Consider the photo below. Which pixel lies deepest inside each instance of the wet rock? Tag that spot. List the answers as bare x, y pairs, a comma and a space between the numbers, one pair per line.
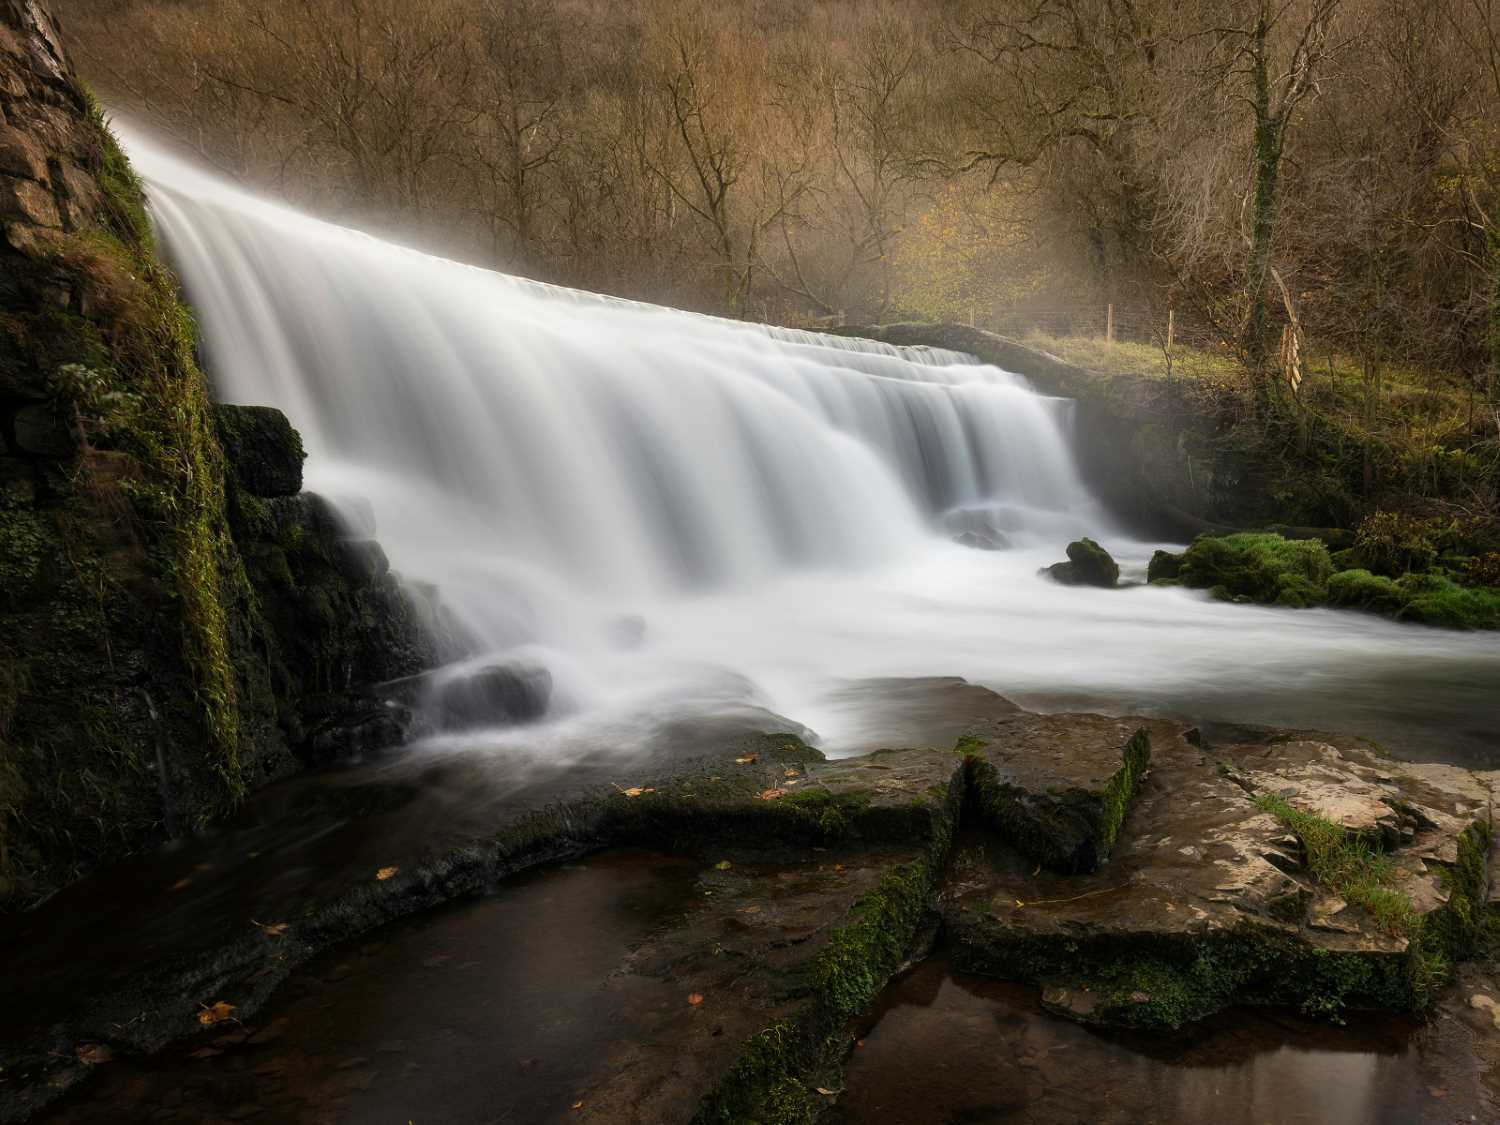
983, 529
1088, 565
1206, 902
263, 450
1164, 566
1058, 786
499, 694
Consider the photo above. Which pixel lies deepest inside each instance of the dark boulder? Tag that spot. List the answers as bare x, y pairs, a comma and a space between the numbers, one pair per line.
497, 694
1088, 565
1163, 567
263, 450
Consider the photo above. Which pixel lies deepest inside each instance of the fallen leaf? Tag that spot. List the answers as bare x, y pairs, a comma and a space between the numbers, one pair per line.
749, 910
386, 872
271, 929
838, 866
177, 886
634, 790
215, 1013
772, 794
695, 998
793, 773
744, 759
1438, 1091
92, 1054
1020, 903
794, 783
576, 1105
825, 1091
723, 865
859, 1042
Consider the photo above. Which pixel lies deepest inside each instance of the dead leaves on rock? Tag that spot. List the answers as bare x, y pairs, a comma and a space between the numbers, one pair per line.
92, 1054
745, 759
271, 929
633, 791
215, 1013
772, 794
385, 873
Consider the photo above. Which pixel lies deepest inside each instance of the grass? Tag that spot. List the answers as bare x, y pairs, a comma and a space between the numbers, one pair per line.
1347, 865
1421, 429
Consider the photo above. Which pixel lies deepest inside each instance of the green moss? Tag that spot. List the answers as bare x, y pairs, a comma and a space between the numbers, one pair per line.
1069, 830
1264, 568
1359, 589
769, 1084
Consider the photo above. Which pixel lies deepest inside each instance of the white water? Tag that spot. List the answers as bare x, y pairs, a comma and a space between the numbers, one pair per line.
771, 502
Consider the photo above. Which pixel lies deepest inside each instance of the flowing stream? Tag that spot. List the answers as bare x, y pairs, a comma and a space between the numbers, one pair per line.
679, 514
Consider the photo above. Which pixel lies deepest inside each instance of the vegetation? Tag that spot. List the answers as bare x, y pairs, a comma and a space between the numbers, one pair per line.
1272, 570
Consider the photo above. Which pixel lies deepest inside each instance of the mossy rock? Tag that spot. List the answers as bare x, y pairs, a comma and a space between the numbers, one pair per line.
1088, 565
1262, 568
262, 448
1164, 567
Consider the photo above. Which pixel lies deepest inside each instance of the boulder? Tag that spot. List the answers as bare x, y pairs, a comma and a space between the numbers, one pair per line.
493, 695
1163, 567
979, 528
1088, 565
262, 448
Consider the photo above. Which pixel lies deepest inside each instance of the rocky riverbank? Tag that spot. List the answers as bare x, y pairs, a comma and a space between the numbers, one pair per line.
1137, 875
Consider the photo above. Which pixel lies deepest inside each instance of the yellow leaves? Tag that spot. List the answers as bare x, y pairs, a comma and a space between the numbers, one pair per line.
695, 998
825, 1091
271, 929
92, 1054
576, 1105
749, 910
723, 865
793, 773
215, 1013
745, 759
772, 794
386, 872
633, 791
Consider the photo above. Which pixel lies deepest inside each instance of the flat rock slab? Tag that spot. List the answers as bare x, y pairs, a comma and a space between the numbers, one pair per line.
340, 854
1058, 786
1206, 901
634, 987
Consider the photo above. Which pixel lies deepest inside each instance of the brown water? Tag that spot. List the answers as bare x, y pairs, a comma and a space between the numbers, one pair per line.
491, 1011
948, 1049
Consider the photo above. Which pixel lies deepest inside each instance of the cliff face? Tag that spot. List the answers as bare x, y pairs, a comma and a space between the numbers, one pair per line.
145, 685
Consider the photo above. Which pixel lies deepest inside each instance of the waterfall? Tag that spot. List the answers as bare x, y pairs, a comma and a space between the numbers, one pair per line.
777, 505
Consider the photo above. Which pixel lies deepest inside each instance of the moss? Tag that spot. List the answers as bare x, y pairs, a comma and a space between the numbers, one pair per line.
769, 1084
1070, 830
1435, 600
1264, 568
1359, 589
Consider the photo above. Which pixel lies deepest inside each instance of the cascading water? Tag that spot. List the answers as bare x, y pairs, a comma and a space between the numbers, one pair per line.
775, 504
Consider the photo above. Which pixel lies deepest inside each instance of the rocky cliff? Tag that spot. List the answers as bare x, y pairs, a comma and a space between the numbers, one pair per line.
175, 628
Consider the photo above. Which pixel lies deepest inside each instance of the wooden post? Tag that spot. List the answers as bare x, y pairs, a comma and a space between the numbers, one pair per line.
1109, 324
1171, 328
971, 316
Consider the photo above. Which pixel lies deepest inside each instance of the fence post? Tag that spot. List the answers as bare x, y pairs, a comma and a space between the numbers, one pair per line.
1109, 324
1171, 328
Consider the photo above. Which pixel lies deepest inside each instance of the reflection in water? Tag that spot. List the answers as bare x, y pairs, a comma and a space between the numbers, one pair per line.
490, 1011
953, 1050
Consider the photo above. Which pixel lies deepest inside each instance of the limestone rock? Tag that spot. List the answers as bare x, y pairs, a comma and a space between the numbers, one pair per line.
1058, 786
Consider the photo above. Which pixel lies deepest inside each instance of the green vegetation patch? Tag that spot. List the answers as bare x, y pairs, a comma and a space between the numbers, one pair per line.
1262, 568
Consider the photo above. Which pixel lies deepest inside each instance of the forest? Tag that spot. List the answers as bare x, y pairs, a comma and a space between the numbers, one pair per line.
1328, 165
